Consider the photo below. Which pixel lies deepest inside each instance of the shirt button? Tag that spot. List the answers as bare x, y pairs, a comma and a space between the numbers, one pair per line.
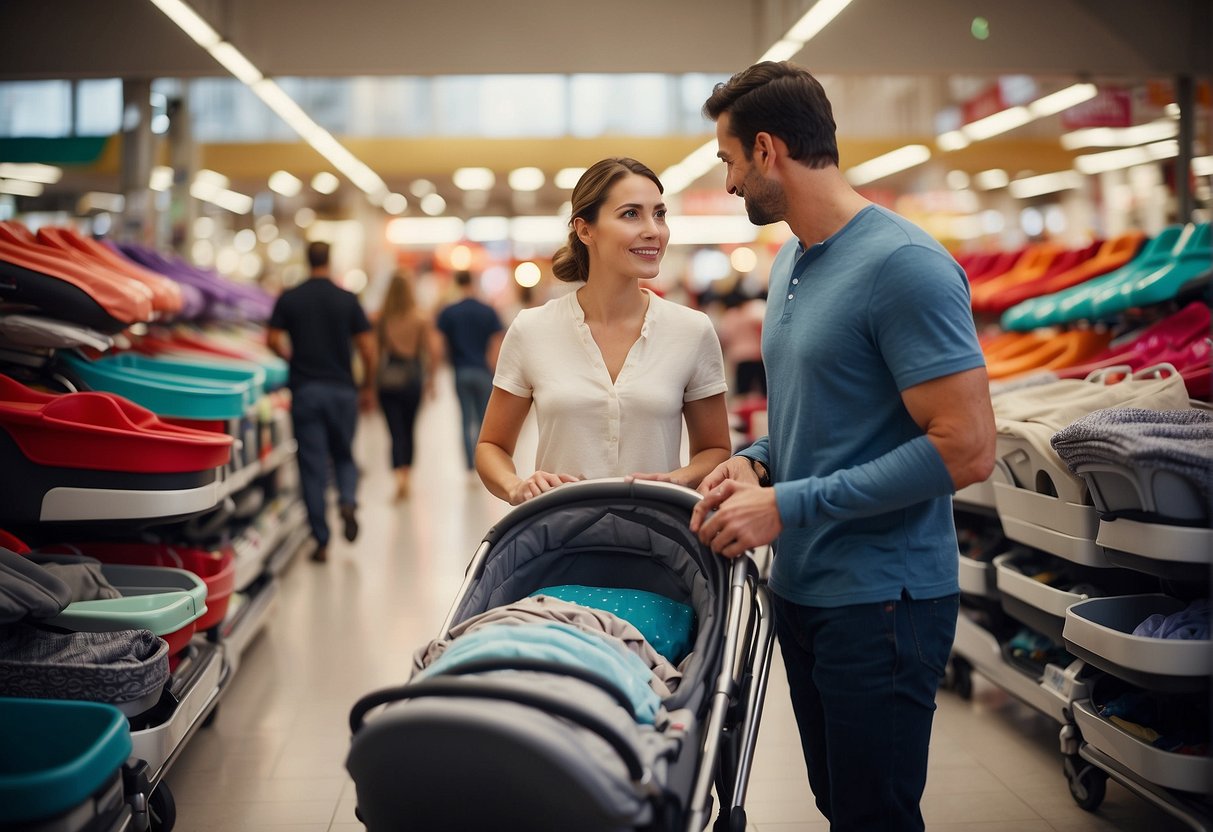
795, 280
790, 297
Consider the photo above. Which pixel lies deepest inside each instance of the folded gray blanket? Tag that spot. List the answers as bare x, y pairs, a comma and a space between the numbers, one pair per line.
80, 572
27, 589
1175, 440
115, 667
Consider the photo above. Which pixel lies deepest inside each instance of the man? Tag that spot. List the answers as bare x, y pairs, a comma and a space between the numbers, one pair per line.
473, 333
879, 409
322, 321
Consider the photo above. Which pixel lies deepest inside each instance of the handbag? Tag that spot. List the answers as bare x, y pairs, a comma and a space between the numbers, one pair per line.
397, 373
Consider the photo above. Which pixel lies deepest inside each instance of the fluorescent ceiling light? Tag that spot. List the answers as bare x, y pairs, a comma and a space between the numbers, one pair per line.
816, 19
1046, 183
1062, 100
20, 187
539, 230
701, 160
424, 231
31, 172
189, 21
101, 201
284, 183
211, 179
432, 204
395, 203
782, 50
952, 140
567, 178
1202, 166
1154, 131
526, 179
1000, 122
890, 163
989, 180
421, 187
1093, 163
957, 180
234, 62
325, 183
488, 229
161, 178
207, 189
473, 179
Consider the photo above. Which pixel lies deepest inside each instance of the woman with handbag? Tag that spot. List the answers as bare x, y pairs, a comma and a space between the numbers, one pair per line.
406, 370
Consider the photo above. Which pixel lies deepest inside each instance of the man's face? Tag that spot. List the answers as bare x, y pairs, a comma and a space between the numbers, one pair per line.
765, 201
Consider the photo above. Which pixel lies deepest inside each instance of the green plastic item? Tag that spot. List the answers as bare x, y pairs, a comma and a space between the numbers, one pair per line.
1193, 259
166, 394
55, 754
157, 598
1072, 304
217, 369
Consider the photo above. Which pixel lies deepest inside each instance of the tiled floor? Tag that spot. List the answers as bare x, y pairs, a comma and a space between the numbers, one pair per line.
273, 759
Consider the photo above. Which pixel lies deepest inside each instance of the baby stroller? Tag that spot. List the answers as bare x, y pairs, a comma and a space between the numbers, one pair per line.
520, 744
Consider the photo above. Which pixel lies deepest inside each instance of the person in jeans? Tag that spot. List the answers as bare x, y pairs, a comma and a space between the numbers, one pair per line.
472, 330
878, 409
323, 321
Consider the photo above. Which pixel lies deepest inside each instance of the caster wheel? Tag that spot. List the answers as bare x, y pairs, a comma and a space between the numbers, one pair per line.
1088, 784
161, 810
958, 677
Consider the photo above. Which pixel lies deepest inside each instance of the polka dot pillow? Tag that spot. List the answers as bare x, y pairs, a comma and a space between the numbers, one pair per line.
665, 624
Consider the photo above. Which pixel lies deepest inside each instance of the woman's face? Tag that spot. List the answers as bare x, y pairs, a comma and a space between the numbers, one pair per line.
630, 235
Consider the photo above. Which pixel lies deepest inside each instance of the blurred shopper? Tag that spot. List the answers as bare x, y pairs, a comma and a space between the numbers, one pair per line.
612, 369
879, 409
472, 330
323, 320
740, 330
407, 364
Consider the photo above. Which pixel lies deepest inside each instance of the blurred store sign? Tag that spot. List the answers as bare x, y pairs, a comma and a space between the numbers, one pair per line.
711, 201
1008, 91
1111, 107
1162, 93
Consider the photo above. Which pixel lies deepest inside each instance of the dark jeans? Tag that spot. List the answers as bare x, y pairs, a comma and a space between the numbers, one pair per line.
400, 410
325, 416
863, 681
473, 386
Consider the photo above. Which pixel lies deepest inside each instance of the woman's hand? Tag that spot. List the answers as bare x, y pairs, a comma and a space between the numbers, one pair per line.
677, 477
536, 484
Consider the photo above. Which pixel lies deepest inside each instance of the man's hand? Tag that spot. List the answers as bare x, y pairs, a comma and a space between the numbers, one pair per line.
746, 514
736, 468
536, 484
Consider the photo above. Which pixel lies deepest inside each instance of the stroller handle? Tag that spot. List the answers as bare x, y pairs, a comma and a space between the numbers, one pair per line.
611, 488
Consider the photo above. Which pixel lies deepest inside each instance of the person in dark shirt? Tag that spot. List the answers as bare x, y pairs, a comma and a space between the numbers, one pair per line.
323, 321
472, 330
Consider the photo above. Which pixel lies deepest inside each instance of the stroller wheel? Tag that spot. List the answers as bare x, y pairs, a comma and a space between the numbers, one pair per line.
161, 809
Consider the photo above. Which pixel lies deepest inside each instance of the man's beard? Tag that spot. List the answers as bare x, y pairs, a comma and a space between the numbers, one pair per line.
765, 202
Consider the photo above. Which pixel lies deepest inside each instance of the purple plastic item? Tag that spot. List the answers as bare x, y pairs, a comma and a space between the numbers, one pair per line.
224, 299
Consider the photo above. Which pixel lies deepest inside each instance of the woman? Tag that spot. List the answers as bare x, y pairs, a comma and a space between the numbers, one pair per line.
406, 369
612, 368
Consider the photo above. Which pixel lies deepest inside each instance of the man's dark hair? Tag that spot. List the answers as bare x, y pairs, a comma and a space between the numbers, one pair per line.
463, 278
318, 255
781, 99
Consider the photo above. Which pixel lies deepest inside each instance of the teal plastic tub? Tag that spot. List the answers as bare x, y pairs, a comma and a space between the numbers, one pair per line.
56, 755
167, 392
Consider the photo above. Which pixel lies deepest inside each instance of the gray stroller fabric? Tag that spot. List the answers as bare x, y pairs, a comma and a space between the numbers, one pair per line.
114, 667
1180, 441
28, 590
81, 573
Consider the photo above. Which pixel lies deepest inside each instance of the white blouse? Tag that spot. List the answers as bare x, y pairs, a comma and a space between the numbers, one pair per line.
589, 426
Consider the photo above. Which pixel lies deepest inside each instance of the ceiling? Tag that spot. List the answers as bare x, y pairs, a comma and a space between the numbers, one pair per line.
925, 41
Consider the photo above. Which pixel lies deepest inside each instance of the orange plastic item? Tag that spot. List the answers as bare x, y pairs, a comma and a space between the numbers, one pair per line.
1064, 350
1017, 343
1034, 263
1113, 254
166, 295
120, 297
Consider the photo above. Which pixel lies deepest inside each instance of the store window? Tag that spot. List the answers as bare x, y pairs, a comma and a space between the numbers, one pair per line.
36, 108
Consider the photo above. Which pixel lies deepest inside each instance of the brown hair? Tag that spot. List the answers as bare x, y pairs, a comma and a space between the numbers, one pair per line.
781, 99
399, 300
572, 262
318, 255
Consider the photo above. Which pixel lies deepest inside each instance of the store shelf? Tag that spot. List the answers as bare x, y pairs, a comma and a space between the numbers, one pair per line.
1080, 550
977, 578
1195, 813
66, 504
983, 651
195, 686
1040, 606
1100, 631
258, 544
979, 495
1069, 519
246, 621
1173, 552
1173, 771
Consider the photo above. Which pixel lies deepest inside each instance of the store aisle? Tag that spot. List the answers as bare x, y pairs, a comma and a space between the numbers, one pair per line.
273, 758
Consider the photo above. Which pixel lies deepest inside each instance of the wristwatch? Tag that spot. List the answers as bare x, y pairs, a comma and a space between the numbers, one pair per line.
760, 470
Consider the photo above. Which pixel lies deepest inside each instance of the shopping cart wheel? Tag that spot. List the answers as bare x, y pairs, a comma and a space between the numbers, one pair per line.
161, 809
1088, 784
958, 677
